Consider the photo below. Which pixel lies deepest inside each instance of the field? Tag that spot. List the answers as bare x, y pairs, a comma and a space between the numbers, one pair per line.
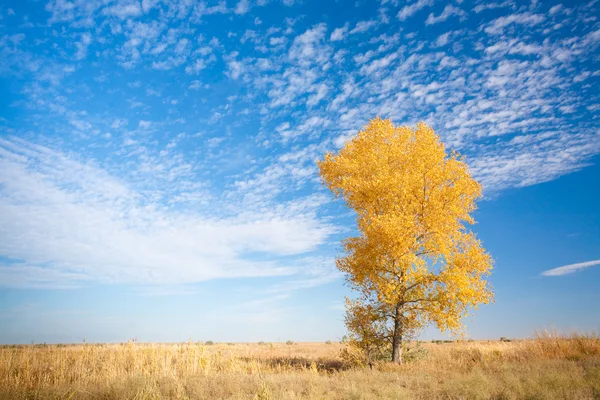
543, 368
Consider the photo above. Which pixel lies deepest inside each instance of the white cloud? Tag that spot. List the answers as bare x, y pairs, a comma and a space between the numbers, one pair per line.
148, 5
164, 291
524, 164
582, 76
82, 46
169, 63
199, 65
119, 123
195, 85
339, 33
490, 6
124, 11
362, 26
144, 124
276, 41
81, 125
443, 39
497, 26
306, 48
242, 7
61, 10
69, 223
378, 64
341, 140
214, 142
559, 8
592, 38
449, 11
321, 91
571, 268
320, 271
412, 9
236, 69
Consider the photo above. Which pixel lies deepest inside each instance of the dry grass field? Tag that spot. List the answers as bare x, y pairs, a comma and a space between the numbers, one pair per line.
543, 368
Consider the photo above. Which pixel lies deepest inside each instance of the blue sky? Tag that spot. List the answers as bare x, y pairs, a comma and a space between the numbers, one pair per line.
157, 158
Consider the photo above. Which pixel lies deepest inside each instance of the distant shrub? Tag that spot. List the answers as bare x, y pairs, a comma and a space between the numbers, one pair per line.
328, 342
230, 344
209, 343
504, 339
289, 342
261, 343
353, 356
416, 353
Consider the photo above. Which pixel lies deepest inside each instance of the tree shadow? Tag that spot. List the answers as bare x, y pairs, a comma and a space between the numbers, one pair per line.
302, 363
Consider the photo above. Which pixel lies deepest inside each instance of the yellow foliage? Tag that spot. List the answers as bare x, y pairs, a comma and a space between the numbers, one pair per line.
414, 255
368, 333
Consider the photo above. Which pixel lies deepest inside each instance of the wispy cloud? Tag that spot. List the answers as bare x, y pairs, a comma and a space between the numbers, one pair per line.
571, 268
70, 223
447, 13
163, 291
411, 9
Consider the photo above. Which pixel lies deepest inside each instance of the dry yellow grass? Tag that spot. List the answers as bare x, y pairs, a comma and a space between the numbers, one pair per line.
544, 368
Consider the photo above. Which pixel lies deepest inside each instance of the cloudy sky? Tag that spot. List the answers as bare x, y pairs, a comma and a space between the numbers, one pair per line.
157, 158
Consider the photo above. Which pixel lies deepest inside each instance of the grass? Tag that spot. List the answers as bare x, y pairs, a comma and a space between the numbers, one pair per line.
547, 367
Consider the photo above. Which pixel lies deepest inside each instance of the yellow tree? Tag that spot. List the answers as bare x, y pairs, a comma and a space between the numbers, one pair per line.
414, 258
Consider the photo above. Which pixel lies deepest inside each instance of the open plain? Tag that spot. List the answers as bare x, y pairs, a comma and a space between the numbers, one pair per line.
547, 367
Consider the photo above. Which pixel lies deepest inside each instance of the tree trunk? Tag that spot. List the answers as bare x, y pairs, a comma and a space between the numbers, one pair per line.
397, 340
